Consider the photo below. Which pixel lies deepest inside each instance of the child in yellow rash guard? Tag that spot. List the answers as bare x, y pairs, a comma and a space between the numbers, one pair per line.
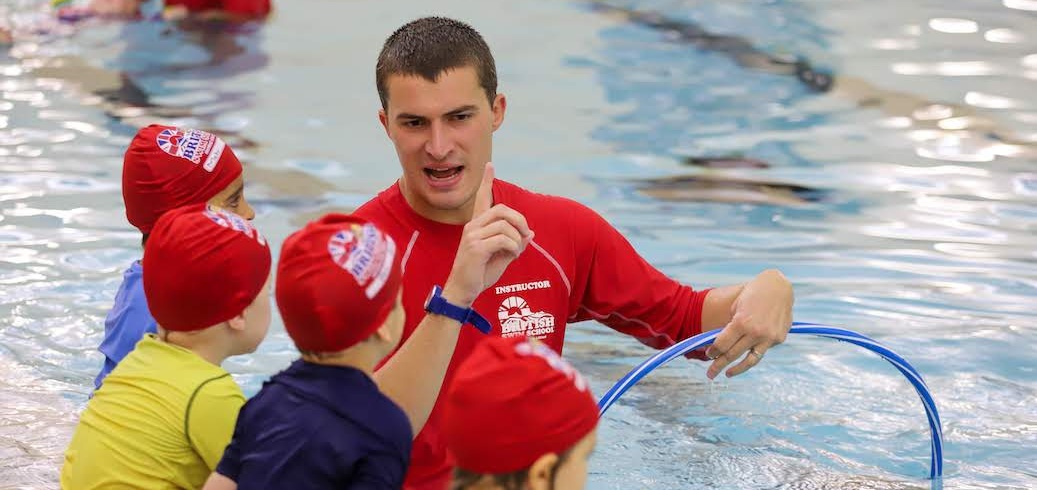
164, 416
133, 431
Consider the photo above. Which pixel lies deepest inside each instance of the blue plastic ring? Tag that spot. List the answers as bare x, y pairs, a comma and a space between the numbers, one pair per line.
707, 338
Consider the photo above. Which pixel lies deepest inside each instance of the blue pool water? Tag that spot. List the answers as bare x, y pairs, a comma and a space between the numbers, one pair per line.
901, 201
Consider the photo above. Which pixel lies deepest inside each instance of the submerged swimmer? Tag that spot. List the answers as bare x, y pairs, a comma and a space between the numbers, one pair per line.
726, 188
945, 119
739, 49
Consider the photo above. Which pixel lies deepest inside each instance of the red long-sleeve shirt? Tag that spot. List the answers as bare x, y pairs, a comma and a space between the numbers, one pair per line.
577, 268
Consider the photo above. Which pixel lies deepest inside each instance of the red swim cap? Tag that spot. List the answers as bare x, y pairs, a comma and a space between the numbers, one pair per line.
337, 280
512, 401
167, 167
202, 267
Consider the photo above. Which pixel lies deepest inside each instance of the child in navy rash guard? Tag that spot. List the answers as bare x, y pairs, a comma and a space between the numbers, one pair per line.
319, 426
322, 422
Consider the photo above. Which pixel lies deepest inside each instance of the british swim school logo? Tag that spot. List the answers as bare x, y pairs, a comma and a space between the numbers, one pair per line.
169, 141
366, 253
191, 145
230, 220
517, 318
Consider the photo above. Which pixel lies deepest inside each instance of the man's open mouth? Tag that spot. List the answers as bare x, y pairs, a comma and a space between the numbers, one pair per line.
444, 173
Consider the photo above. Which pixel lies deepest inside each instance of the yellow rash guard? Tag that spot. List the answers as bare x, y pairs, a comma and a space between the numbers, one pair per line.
161, 419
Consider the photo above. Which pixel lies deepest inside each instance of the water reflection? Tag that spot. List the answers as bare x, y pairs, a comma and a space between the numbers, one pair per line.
1030, 5
989, 101
895, 44
173, 73
1003, 36
954, 26
902, 206
900, 210
964, 136
948, 69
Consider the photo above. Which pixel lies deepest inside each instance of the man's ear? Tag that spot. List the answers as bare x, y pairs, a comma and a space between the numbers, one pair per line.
500, 105
384, 119
542, 472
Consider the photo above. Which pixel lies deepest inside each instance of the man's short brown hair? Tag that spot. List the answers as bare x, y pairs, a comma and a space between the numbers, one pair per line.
430, 46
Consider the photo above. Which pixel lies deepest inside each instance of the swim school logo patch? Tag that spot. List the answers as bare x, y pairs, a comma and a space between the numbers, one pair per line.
192, 145
234, 222
366, 254
517, 318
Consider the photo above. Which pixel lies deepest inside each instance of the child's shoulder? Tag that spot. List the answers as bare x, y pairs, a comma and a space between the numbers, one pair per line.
153, 360
328, 393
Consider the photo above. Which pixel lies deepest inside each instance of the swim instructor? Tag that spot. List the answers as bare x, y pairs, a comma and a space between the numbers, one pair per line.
437, 82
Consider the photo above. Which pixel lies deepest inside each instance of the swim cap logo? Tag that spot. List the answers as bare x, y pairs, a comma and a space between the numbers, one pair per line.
366, 253
192, 145
169, 141
538, 349
234, 222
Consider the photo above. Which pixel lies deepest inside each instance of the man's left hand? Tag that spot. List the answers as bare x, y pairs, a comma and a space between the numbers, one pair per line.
761, 316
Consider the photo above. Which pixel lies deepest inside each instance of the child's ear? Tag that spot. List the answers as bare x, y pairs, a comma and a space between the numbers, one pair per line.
384, 333
541, 473
237, 323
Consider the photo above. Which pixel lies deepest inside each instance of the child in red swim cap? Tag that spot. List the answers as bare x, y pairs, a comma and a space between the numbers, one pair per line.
165, 414
519, 417
164, 168
323, 422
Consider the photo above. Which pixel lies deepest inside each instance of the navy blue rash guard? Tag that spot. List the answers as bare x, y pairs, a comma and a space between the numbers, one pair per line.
314, 426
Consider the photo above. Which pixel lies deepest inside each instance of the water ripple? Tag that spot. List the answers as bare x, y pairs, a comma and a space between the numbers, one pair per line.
885, 165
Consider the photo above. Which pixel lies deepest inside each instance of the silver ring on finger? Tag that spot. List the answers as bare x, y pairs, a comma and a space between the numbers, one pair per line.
753, 352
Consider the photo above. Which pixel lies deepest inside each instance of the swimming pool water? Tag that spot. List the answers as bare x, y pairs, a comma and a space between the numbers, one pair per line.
902, 203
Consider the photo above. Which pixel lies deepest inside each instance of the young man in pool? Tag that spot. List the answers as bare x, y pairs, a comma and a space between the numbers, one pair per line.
437, 83
164, 168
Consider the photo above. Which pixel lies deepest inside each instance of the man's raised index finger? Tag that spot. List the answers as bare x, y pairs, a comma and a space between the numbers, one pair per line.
484, 196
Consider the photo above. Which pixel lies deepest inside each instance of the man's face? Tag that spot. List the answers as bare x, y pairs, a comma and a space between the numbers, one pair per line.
443, 134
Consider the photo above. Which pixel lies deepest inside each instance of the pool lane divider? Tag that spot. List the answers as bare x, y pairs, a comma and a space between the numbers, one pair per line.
799, 328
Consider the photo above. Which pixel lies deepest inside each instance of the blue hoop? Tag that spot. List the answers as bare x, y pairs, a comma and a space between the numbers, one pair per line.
707, 338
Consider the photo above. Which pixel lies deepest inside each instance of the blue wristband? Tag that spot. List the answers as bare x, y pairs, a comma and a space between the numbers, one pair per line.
438, 305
